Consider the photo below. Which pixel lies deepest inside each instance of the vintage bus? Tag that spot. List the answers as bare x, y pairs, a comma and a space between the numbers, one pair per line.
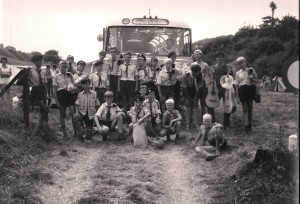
151, 37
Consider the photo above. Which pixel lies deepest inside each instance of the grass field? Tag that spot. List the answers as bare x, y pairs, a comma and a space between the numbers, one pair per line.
67, 171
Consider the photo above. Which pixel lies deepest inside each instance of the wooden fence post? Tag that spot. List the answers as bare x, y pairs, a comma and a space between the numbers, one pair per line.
25, 95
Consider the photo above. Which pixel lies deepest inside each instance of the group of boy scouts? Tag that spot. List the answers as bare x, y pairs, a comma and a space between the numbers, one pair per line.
115, 92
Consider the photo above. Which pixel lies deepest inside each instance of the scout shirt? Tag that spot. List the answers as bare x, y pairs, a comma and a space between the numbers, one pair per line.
129, 73
137, 114
145, 73
33, 77
105, 67
113, 67
153, 106
63, 81
102, 111
168, 116
163, 79
241, 76
87, 102
99, 80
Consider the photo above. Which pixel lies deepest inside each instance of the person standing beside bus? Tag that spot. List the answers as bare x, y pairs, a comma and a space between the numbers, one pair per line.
155, 70
127, 82
114, 69
144, 71
245, 79
166, 81
5, 72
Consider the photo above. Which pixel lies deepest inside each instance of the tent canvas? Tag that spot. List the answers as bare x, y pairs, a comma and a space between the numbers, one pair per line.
279, 86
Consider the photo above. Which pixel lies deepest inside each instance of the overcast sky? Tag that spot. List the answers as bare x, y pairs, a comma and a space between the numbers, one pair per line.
72, 26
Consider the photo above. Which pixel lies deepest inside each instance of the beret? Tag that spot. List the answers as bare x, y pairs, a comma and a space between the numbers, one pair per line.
37, 57
139, 98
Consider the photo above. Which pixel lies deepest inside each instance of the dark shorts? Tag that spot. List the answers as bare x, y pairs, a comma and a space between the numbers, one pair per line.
168, 91
65, 98
113, 82
213, 143
100, 94
106, 123
247, 93
193, 96
37, 94
127, 88
87, 121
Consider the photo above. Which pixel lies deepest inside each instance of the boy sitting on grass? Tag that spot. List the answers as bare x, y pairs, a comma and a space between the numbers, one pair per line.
86, 105
171, 122
108, 116
212, 139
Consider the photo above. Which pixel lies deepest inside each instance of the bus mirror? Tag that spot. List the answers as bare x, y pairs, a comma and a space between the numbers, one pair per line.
100, 37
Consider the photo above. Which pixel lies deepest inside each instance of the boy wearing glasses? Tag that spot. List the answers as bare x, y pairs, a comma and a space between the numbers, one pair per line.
108, 116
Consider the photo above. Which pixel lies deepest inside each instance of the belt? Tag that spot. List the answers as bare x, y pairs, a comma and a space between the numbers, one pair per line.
100, 88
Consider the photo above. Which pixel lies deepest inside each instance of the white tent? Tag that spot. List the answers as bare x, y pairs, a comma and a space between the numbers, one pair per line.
279, 86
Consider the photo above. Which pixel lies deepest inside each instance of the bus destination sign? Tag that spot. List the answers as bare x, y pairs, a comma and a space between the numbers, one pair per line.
150, 21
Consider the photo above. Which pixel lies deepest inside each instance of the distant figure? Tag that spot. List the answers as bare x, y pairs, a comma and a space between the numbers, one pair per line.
170, 46
5, 72
101, 62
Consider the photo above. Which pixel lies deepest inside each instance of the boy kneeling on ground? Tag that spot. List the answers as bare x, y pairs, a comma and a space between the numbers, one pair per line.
109, 116
86, 105
213, 134
171, 122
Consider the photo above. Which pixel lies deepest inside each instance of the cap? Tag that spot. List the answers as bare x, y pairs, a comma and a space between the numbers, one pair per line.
37, 57
170, 101
171, 54
63, 63
143, 86
139, 98
150, 90
108, 93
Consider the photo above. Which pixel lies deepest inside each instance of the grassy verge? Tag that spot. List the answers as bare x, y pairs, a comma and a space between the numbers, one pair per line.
237, 179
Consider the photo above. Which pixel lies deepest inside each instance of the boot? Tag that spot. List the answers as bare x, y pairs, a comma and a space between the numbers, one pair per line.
187, 118
226, 120
195, 118
88, 134
168, 138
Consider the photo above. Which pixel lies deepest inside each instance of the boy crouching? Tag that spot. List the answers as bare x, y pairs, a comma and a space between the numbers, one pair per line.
171, 122
108, 116
86, 105
212, 139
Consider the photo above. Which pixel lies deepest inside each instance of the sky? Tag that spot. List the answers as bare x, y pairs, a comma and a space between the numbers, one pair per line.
72, 26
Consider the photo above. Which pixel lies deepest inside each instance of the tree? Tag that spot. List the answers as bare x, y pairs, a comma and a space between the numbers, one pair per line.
273, 7
51, 56
270, 20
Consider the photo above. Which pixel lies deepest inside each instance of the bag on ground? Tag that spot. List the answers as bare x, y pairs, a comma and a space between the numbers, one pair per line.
139, 136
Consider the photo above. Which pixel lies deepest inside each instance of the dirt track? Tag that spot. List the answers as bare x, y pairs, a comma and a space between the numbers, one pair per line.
75, 172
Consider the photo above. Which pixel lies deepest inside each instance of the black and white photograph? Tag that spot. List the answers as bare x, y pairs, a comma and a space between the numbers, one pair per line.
149, 102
